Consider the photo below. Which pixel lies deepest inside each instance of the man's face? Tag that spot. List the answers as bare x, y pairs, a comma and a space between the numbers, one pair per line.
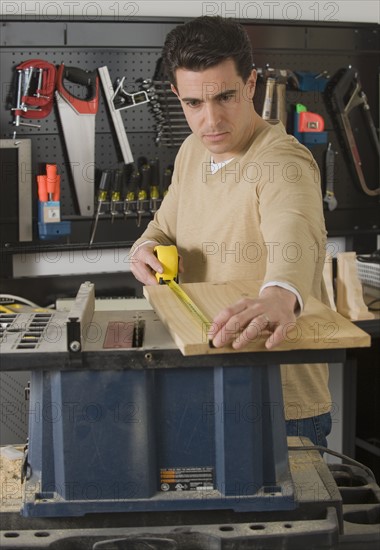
218, 107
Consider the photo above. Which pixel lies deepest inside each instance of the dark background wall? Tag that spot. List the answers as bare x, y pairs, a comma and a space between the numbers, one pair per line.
131, 49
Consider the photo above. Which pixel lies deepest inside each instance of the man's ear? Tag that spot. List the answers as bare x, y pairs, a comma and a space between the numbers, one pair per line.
174, 90
251, 82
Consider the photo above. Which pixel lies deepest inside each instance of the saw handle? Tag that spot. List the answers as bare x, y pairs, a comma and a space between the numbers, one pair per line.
348, 80
89, 79
80, 76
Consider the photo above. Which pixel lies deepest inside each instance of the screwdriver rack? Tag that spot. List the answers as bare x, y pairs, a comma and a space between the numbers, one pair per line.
130, 209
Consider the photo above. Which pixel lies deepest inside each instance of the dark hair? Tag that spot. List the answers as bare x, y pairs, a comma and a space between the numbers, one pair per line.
204, 42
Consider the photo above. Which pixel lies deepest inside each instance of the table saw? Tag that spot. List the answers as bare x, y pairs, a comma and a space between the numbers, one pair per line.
122, 421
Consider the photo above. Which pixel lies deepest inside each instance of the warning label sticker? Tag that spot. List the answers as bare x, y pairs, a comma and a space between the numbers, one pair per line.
186, 479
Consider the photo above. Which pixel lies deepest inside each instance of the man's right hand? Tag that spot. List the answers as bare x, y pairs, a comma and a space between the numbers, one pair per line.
144, 264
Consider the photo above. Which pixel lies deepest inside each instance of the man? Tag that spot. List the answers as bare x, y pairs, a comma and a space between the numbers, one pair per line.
244, 203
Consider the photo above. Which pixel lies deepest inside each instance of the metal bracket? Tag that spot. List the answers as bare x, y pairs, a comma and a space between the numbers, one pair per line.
123, 97
125, 100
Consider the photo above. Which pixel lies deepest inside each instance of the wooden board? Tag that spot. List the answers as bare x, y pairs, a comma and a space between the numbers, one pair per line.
319, 327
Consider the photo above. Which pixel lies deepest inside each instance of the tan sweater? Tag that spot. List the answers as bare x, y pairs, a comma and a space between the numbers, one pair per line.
259, 217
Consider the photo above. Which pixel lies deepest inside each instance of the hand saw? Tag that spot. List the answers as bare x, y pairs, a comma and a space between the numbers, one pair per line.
78, 123
168, 257
346, 95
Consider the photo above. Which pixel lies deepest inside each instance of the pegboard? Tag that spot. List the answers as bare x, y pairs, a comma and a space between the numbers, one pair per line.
347, 191
48, 144
132, 50
132, 64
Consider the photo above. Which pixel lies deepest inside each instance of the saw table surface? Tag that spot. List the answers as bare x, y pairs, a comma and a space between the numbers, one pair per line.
318, 327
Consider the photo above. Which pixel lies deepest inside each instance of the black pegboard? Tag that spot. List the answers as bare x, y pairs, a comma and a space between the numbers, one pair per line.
347, 191
47, 142
132, 48
131, 64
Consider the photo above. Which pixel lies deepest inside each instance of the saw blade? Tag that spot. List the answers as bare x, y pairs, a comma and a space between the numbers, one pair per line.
79, 134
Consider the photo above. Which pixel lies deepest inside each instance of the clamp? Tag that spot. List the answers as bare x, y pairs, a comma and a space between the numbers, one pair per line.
35, 91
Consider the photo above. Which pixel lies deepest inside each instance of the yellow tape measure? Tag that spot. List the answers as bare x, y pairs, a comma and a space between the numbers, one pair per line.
168, 257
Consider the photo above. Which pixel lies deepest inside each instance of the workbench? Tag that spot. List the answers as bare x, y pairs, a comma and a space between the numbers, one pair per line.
145, 410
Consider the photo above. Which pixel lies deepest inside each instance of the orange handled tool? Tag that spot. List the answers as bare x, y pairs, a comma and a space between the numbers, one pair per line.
42, 189
51, 177
49, 185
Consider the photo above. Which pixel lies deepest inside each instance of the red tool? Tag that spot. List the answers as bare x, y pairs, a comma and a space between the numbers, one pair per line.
88, 106
309, 127
310, 122
35, 91
78, 124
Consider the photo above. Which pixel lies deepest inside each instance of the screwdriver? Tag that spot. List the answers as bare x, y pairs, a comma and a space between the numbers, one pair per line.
130, 195
104, 186
116, 192
166, 181
154, 185
142, 195
141, 161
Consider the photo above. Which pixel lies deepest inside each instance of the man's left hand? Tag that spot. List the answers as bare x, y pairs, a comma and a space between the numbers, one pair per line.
244, 321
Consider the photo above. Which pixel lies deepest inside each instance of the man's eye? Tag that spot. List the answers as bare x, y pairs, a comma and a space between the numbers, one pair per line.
193, 103
226, 97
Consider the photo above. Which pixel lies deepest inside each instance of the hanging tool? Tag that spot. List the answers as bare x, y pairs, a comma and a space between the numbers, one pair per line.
78, 123
124, 100
276, 82
131, 193
35, 91
329, 197
309, 127
168, 257
104, 186
270, 83
346, 95
166, 181
117, 100
142, 195
50, 225
117, 182
166, 109
280, 89
154, 190
52, 182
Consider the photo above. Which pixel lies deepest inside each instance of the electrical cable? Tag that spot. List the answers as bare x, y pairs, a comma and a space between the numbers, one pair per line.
373, 257
18, 299
371, 304
348, 459
144, 541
